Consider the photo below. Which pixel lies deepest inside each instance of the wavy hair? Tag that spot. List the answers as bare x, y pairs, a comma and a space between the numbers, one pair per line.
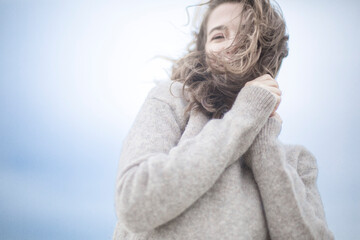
258, 48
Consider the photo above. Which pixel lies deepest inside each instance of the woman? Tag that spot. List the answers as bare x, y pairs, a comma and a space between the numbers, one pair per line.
203, 160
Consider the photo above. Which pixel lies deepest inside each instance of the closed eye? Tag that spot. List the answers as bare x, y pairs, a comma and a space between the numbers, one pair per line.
218, 36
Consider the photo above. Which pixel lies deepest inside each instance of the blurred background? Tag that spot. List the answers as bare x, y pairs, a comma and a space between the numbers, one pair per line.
73, 75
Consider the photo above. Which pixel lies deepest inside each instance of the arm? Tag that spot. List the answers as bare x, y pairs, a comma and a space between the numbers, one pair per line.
291, 199
162, 179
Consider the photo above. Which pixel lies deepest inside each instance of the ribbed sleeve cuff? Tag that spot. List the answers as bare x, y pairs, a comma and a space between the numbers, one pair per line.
271, 129
264, 141
255, 101
252, 106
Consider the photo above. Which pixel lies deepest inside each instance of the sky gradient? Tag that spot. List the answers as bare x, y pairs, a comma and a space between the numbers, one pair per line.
73, 75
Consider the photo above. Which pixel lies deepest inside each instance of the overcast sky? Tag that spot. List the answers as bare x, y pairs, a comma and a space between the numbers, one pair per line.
73, 75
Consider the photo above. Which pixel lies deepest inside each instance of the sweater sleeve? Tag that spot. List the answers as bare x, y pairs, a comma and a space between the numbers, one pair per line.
290, 196
160, 178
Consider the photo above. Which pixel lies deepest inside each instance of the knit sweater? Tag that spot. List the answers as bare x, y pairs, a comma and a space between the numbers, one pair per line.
185, 176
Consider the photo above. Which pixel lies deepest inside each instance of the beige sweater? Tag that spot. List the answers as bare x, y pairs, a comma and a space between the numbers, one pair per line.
190, 177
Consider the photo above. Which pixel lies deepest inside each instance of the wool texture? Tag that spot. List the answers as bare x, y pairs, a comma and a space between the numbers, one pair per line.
185, 176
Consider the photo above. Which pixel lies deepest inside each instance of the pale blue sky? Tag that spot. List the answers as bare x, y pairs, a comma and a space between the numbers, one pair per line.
73, 75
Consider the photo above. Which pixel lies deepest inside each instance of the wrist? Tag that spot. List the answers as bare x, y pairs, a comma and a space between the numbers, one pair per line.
265, 140
271, 129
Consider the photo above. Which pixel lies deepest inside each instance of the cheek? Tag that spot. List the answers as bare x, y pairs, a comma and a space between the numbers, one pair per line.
213, 47
216, 47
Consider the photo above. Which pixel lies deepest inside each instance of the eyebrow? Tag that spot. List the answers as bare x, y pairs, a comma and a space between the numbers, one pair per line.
221, 27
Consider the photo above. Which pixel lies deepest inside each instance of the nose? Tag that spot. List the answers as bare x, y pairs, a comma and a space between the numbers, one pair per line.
230, 51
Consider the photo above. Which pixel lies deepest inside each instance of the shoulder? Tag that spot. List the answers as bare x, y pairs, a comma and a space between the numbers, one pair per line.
167, 91
171, 93
301, 158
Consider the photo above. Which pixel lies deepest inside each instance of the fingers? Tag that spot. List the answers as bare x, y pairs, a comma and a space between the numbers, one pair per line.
278, 100
272, 83
274, 90
267, 82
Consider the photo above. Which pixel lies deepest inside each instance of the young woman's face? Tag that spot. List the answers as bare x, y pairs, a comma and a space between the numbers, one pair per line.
222, 26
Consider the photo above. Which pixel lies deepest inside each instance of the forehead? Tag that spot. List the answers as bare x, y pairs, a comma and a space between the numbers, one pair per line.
227, 14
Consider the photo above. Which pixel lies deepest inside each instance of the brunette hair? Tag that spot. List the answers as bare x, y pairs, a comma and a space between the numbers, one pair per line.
258, 48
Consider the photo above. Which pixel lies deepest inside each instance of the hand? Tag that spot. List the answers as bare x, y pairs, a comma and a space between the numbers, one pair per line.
270, 84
